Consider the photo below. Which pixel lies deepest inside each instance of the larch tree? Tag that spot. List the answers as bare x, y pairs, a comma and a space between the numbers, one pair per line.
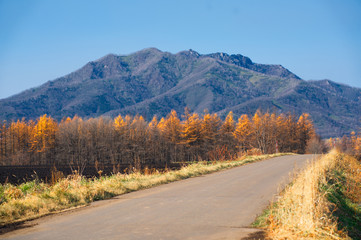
289, 139
155, 142
306, 131
138, 136
258, 132
72, 144
243, 132
226, 138
191, 135
133, 140
20, 135
43, 136
210, 125
171, 129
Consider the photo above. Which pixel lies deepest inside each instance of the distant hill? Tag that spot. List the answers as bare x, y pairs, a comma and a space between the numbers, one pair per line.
151, 82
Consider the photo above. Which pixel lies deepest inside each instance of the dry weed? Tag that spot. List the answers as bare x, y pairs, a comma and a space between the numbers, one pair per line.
303, 211
40, 199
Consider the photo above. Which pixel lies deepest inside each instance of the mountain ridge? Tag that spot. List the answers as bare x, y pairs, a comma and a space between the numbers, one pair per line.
152, 82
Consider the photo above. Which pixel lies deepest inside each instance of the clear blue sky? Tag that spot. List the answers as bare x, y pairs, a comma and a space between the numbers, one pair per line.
42, 40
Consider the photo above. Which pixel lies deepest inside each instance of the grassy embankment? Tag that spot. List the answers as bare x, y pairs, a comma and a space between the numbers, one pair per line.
323, 202
34, 199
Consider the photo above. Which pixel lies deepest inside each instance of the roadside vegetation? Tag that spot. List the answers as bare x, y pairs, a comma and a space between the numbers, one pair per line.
34, 199
350, 145
323, 202
201, 143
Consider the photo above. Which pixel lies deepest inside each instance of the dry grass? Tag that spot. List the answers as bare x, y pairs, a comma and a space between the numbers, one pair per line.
306, 209
34, 199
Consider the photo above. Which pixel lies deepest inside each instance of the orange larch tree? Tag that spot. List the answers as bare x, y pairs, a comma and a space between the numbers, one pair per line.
192, 136
306, 131
242, 132
226, 137
171, 129
210, 125
43, 137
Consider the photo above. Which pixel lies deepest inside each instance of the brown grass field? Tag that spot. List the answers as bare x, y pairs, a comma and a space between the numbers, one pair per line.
323, 202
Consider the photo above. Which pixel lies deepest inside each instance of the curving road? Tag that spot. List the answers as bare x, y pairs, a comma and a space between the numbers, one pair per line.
216, 206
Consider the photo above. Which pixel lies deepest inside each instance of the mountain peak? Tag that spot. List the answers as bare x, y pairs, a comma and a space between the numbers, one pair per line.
108, 57
246, 62
151, 50
190, 53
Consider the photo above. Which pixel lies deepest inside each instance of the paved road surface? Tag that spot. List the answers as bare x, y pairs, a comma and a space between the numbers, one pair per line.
217, 206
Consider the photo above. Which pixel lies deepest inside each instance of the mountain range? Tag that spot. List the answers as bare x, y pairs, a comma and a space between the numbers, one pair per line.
152, 82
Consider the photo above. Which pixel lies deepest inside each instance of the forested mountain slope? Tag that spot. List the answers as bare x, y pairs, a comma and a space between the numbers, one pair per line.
151, 82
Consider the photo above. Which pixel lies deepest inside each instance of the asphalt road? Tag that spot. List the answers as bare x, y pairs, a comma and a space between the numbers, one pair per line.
216, 206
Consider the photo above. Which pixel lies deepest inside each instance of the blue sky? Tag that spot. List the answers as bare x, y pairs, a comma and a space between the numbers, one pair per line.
45, 39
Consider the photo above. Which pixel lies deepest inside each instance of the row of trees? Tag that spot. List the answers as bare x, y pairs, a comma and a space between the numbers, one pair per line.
133, 140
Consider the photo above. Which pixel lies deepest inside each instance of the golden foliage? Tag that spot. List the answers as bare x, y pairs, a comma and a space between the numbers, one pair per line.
43, 134
125, 139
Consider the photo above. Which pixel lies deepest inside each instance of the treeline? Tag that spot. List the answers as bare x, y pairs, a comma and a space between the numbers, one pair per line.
133, 140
